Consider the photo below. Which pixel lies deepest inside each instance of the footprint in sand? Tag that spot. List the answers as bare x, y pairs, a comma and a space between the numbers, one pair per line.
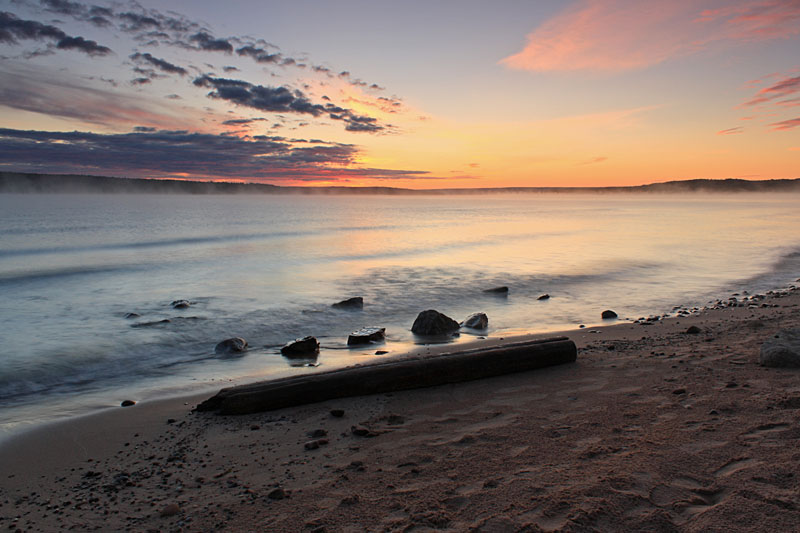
734, 465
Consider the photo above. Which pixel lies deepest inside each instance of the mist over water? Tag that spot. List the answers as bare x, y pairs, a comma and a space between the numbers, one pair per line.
268, 268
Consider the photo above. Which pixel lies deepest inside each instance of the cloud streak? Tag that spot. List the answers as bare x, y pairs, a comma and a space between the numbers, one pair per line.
148, 153
619, 35
14, 29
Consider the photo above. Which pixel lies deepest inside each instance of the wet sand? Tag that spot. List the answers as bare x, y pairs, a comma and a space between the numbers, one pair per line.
651, 429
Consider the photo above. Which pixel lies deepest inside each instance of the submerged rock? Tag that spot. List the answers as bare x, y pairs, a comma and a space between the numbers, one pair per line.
782, 350
476, 321
544, 297
232, 345
301, 347
180, 304
356, 302
148, 324
132, 315
497, 290
608, 313
366, 336
433, 322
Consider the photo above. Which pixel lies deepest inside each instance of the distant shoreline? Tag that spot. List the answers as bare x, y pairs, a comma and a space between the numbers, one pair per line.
32, 183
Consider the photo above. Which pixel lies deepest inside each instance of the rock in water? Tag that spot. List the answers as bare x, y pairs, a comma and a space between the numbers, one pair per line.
476, 321
148, 324
298, 347
232, 345
351, 303
366, 336
497, 290
608, 313
782, 350
127, 403
180, 304
544, 297
432, 322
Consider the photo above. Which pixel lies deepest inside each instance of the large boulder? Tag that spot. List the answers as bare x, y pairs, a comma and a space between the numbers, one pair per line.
782, 350
366, 336
232, 345
476, 321
432, 322
301, 347
356, 302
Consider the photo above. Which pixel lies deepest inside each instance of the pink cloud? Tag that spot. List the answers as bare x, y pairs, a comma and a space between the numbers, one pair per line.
785, 87
731, 131
617, 35
786, 124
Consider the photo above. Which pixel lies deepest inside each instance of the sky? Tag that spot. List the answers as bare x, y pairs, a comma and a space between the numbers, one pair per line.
418, 94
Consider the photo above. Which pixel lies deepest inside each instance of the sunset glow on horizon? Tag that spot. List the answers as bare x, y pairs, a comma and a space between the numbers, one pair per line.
452, 95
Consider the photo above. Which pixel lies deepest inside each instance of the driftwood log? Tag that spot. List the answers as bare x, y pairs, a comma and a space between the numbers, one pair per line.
401, 374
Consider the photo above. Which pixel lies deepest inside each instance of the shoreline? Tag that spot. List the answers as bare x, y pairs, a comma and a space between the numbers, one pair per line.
675, 428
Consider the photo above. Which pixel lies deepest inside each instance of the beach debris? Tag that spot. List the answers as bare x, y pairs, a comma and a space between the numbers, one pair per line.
476, 321
132, 315
782, 350
337, 413
432, 322
232, 345
153, 323
127, 403
180, 304
356, 302
381, 352
392, 375
608, 313
497, 290
300, 347
544, 297
693, 330
168, 510
366, 336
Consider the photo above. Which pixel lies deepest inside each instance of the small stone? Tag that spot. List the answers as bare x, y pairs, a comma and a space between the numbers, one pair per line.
311, 445
679, 391
381, 352
305, 346
255, 427
350, 500
544, 297
476, 321
360, 431
782, 350
497, 290
317, 433
232, 345
366, 336
693, 330
277, 494
337, 413
169, 510
127, 403
170, 420
608, 313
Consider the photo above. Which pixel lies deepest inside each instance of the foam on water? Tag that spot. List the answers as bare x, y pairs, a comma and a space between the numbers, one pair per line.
268, 268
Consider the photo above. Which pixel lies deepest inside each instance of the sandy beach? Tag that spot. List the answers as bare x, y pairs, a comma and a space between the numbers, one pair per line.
652, 429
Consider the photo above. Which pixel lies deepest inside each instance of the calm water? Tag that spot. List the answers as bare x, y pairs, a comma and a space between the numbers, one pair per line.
267, 268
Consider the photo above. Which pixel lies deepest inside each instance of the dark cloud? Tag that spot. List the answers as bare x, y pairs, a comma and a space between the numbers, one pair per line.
282, 100
144, 129
136, 22
159, 153
64, 7
242, 121
260, 55
230, 69
161, 64
83, 45
140, 81
205, 41
13, 28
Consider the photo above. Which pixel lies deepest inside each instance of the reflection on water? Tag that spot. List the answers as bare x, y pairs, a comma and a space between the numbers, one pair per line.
268, 268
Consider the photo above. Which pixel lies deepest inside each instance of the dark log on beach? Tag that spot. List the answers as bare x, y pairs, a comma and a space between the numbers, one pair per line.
402, 374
